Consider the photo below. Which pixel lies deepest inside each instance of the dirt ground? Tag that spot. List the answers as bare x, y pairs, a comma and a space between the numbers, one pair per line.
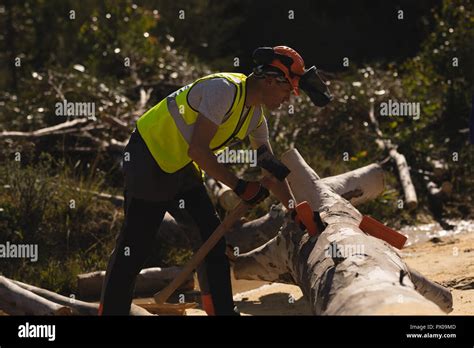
448, 261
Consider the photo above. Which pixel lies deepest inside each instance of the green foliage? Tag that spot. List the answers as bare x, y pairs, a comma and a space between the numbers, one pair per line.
444, 87
176, 257
52, 205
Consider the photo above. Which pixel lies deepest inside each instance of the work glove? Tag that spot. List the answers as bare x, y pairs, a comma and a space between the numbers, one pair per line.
251, 192
307, 219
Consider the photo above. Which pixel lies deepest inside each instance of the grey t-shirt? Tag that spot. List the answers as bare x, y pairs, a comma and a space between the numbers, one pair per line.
213, 98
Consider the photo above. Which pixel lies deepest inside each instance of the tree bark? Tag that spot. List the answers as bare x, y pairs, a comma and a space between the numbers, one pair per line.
411, 199
432, 291
343, 271
149, 281
15, 300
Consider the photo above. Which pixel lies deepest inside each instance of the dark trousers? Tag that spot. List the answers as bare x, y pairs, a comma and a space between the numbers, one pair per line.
149, 193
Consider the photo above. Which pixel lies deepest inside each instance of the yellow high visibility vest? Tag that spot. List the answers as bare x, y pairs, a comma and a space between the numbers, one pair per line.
168, 126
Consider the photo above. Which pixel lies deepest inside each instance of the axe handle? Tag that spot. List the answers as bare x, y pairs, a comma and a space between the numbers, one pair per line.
278, 190
161, 296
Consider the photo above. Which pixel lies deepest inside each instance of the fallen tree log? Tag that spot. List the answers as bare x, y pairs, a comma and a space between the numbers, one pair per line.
78, 307
411, 200
15, 300
343, 271
432, 291
358, 186
149, 281
61, 128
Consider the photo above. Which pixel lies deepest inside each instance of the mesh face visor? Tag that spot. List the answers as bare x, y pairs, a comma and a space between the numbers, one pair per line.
312, 84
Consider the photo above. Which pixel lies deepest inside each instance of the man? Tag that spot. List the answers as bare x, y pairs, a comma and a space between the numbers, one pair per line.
161, 165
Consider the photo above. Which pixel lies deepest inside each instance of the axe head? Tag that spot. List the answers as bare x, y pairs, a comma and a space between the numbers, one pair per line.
267, 161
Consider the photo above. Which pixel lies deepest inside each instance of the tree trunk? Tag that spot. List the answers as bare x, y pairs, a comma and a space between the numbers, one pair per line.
149, 281
344, 271
15, 300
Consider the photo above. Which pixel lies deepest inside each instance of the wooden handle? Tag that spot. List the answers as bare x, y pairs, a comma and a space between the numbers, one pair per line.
278, 190
161, 296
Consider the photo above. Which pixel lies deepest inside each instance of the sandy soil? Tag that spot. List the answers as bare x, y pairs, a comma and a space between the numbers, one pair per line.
448, 261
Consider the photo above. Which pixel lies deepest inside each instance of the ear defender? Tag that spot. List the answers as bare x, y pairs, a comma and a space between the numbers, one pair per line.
263, 56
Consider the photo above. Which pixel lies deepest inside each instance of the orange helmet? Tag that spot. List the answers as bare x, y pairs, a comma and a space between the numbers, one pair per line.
293, 68
285, 59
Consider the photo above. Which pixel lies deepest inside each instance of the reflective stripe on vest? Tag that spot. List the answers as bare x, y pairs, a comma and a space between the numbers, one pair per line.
167, 128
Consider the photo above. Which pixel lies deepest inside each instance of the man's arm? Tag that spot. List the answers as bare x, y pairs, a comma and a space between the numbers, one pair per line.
199, 152
280, 189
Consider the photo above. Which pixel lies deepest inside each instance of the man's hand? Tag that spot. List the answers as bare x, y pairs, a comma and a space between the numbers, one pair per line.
251, 192
307, 219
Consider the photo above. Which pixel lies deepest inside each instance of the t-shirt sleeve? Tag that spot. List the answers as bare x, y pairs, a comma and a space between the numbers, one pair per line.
259, 136
212, 98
